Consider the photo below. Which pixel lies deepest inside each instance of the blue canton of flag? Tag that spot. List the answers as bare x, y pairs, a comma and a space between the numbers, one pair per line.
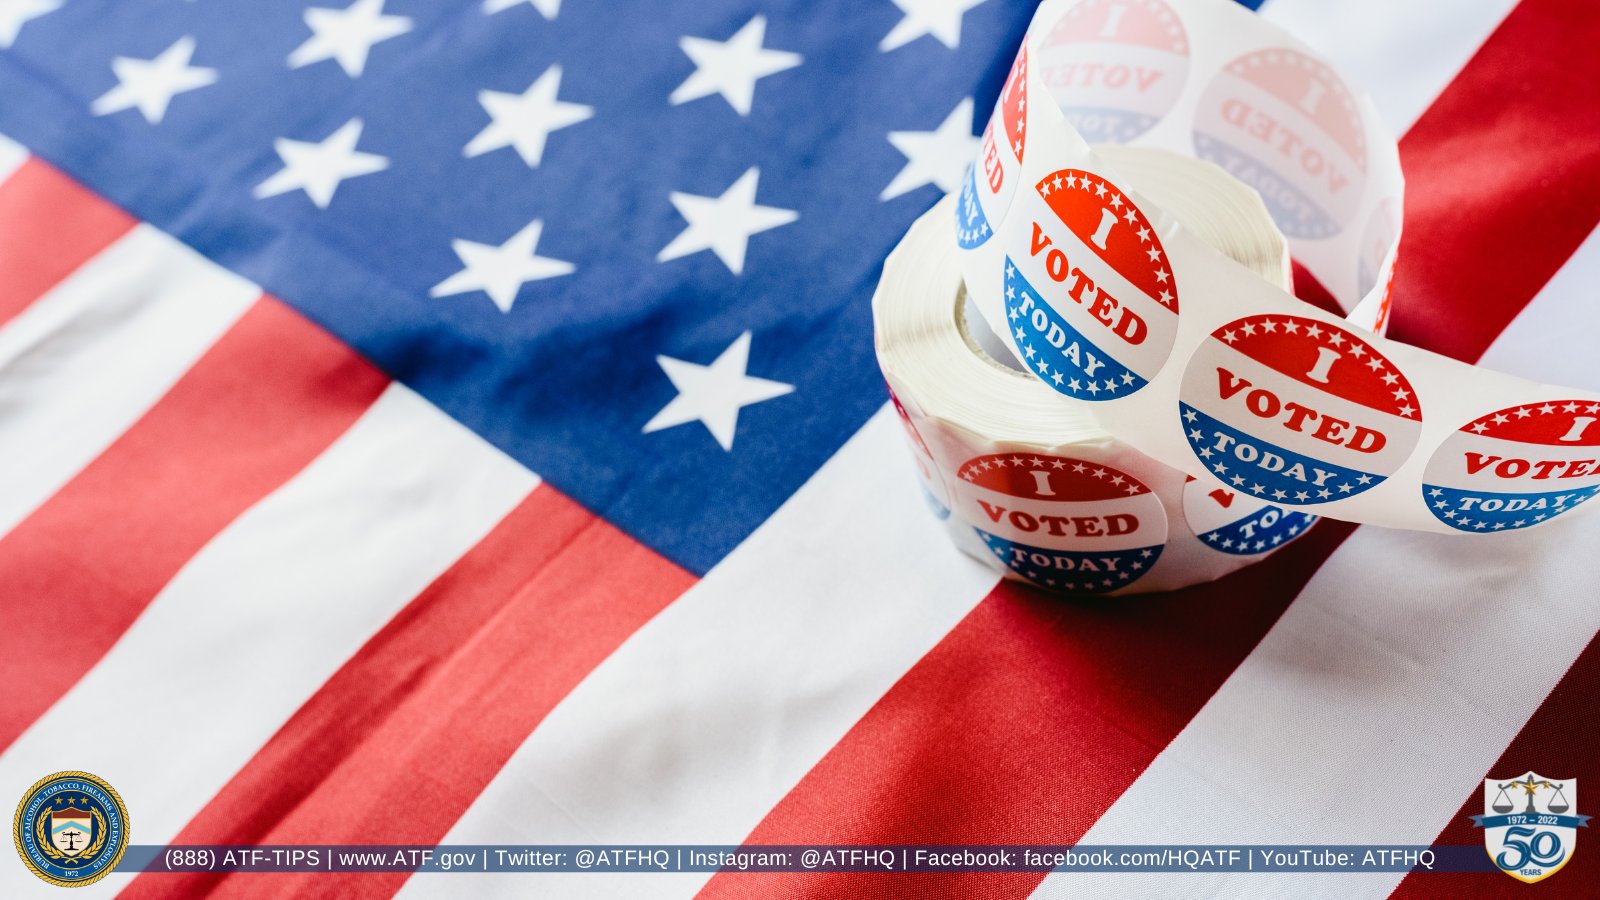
630, 243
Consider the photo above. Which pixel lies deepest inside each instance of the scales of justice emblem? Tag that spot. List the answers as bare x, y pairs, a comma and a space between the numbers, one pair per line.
1532, 843
71, 829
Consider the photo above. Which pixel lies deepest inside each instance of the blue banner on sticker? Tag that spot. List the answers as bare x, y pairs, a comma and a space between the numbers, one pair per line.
1488, 511
972, 226
1263, 469
1074, 571
1059, 353
1263, 530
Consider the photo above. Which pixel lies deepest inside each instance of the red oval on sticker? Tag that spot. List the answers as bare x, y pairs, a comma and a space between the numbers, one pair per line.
1310, 87
1557, 423
1306, 349
1103, 217
1034, 477
1014, 102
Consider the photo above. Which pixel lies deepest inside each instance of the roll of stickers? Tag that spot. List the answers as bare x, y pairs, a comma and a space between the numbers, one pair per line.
1027, 480
1187, 356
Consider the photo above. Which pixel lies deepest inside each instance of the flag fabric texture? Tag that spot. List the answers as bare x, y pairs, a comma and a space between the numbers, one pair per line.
457, 422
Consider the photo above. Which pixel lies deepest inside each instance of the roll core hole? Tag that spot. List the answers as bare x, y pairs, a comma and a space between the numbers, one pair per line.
981, 339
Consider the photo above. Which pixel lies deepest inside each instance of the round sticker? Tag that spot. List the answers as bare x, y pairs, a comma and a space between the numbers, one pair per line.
1285, 124
1093, 308
1240, 524
1296, 411
932, 492
986, 195
1115, 67
1517, 467
1062, 523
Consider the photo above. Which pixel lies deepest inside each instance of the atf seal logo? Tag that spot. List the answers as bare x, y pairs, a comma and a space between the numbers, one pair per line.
1096, 311
1239, 524
1283, 123
1115, 67
71, 828
1529, 826
1061, 523
987, 194
1296, 411
1517, 467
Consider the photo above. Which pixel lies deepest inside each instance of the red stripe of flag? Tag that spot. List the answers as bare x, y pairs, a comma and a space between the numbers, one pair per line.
1034, 714
259, 405
1504, 179
1023, 725
398, 743
49, 226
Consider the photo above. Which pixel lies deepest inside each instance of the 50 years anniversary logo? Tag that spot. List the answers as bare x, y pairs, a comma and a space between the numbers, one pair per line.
71, 828
1534, 842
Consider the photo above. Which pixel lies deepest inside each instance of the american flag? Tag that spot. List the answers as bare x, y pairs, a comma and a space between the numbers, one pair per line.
457, 422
